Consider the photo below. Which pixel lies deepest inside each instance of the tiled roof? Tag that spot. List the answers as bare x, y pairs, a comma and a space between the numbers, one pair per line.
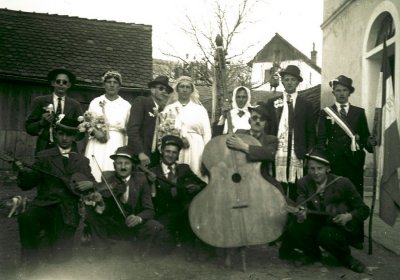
32, 43
286, 52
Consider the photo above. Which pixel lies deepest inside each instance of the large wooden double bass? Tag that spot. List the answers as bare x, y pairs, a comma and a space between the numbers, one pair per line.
238, 207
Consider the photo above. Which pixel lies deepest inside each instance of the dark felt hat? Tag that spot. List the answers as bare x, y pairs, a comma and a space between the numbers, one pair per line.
318, 155
171, 140
51, 76
344, 81
69, 126
126, 152
161, 80
292, 70
262, 109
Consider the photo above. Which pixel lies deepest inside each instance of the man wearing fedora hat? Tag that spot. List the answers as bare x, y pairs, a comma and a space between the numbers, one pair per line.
45, 108
328, 213
293, 122
343, 131
128, 211
144, 121
60, 176
175, 186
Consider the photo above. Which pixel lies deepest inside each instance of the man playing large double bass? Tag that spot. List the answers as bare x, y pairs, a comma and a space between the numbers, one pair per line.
259, 119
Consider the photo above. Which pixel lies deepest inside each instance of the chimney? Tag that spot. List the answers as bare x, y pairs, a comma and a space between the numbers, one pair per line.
314, 55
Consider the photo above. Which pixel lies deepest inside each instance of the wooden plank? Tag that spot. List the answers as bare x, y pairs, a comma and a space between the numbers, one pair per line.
3, 164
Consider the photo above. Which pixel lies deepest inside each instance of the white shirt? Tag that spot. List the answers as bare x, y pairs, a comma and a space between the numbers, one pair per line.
55, 102
166, 169
64, 152
346, 107
293, 95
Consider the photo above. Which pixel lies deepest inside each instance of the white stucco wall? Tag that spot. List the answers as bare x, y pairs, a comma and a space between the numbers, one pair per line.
344, 50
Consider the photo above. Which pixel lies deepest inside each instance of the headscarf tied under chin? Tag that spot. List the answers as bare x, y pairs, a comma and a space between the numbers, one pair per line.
194, 97
112, 74
234, 104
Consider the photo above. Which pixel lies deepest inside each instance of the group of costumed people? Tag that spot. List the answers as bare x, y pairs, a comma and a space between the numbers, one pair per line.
167, 132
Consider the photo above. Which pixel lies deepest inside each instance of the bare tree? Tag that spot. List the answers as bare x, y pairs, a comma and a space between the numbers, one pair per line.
230, 18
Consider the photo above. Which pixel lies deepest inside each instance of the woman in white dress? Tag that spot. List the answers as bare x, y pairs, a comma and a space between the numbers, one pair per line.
191, 120
115, 111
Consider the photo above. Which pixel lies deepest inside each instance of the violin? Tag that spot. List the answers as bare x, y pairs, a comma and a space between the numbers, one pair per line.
331, 211
70, 181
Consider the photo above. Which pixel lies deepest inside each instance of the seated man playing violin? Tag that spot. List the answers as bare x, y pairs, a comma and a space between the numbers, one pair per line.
175, 186
122, 205
60, 176
329, 210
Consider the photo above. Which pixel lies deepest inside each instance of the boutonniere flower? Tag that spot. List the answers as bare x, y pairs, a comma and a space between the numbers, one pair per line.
49, 108
59, 118
154, 113
278, 103
331, 119
102, 103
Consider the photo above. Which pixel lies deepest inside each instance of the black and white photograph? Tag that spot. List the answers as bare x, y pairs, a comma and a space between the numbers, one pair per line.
208, 139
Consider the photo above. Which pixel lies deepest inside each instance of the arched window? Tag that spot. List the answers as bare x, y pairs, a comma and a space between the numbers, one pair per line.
386, 28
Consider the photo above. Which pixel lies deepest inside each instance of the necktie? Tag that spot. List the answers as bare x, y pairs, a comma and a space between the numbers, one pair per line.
290, 133
240, 113
171, 175
291, 111
59, 109
155, 134
65, 161
342, 111
125, 195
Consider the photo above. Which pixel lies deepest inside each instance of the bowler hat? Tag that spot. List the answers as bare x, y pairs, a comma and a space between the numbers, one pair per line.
262, 109
318, 155
292, 70
124, 151
171, 140
161, 80
69, 126
51, 76
344, 81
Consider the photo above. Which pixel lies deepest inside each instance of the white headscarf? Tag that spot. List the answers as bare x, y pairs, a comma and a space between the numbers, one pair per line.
246, 106
194, 97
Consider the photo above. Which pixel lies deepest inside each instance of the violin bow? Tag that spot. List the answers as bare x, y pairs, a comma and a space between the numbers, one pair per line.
109, 188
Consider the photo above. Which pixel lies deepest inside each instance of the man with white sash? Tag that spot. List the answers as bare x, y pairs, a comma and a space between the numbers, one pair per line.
343, 131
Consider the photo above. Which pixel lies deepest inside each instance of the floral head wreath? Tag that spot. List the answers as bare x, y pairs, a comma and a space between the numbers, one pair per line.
112, 74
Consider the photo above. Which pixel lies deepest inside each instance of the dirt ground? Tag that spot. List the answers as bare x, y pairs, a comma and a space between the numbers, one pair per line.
124, 262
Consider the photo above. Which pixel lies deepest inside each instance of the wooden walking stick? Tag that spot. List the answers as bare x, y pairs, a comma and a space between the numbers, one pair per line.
371, 215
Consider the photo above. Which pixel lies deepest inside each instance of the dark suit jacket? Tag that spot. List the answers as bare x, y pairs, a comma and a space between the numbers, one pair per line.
340, 193
141, 125
56, 189
164, 202
72, 109
338, 143
139, 200
304, 124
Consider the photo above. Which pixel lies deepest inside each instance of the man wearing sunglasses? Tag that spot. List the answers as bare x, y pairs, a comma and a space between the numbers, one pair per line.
44, 109
143, 121
259, 120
